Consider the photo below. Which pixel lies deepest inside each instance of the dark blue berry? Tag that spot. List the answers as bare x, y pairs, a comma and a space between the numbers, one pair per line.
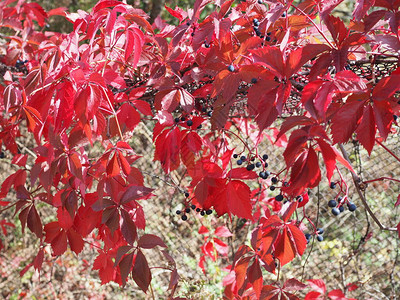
187, 210
274, 180
184, 217
243, 157
352, 206
260, 2
199, 127
332, 185
265, 157
250, 167
332, 203
320, 238
258, 164
208, 211
239, 162
268, 38
209, 113
279, 197
341, 208
335, 211
193, 206
272, 187
284, 15
231, 68
206, 45
198, 209
177, 120
183, 119
263, 175
186, 194
178, 212
299, 198
189, 122
2, 155
320, 230
308, 236
235, 156
254, 80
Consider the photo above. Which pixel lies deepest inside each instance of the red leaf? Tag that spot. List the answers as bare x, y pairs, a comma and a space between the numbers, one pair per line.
305, 173
293, 285
20, 160
149, 241
74, 165
352, 287
128, 227
317, 285
271, 57
398, 229
141, 272
383, 117
105, 265
34, 223
174, 13
125, 266
168, 145
241, 173
345, 121
313, 295
143, 107
361, 8
59, 243
336, 295
238, 199
75, 241
128, 117
222, 231
254, 276
38, 261
64, 218
398, 201
387, 86
329, 156
240, 271
203, 230
366, 130
113, 168
135, 192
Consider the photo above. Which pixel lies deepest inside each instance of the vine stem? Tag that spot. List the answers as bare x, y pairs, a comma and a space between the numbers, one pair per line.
357, 181
114, 113
388, 150
380, 179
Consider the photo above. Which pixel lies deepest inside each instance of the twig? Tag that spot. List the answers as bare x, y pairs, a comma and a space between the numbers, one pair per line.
357, 182
388, 150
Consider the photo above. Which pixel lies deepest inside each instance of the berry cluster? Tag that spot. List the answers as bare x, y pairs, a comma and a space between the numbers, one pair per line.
189, 122
320, 238
188, 208
252, 165
338, 206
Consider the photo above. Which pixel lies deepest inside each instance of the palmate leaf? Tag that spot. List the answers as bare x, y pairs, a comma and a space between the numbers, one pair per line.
284, 240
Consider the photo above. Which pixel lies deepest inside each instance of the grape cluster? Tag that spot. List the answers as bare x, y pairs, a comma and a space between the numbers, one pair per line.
193, 207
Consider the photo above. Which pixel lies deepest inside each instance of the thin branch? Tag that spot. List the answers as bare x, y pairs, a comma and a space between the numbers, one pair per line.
357, 182
388, 150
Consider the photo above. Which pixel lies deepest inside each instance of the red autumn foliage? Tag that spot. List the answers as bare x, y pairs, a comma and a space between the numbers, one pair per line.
116, 70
